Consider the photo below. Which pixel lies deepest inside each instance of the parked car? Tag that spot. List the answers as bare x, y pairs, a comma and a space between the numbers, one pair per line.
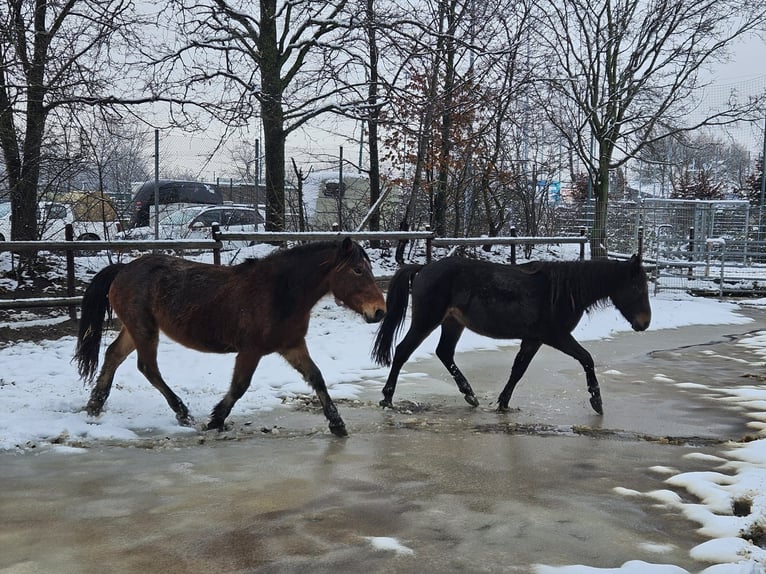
171, 192
92, 218
196, 223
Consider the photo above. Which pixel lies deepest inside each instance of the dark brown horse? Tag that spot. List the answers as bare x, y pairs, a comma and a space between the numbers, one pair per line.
537, 302
258, 307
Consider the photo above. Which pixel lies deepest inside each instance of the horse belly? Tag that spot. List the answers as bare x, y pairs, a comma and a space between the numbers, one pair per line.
511, 322
201, 338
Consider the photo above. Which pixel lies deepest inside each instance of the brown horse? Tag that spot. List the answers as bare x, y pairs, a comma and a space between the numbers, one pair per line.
258, 307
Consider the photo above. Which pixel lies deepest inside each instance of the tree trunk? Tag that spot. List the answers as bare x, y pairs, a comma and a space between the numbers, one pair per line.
272, 115
598, 246
274, 163
440, 198
373, 119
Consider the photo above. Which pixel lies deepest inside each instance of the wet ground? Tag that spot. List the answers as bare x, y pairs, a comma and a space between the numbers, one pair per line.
460, 489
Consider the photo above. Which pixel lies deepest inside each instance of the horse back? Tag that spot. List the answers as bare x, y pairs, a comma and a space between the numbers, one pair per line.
205, 307
495, 300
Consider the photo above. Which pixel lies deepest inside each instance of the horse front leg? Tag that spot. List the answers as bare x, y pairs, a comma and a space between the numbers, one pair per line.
445, 350
572, 348
527, 351
411, 341
146, 347
244, 367
301, 361
115, 355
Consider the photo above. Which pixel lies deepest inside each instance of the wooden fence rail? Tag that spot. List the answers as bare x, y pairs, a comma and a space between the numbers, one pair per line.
72, 248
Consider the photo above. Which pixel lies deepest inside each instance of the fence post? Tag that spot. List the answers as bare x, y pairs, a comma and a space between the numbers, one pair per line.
514, 233
215, 230
690, 271
69, 236
582, 244
429, 245
640, 243
723, 269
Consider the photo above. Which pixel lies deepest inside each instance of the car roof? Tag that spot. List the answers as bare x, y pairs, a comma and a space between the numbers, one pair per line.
198, 210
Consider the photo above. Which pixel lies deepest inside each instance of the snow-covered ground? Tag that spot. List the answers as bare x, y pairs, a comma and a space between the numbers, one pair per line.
41, 401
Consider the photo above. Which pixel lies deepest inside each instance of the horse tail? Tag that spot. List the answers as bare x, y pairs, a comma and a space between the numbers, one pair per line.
95, 304
396, 309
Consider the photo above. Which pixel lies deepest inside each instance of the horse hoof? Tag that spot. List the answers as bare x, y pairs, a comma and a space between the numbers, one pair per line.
386, 403
215, 425
339, 430
472, 400
595, 402
186, 421
93, 412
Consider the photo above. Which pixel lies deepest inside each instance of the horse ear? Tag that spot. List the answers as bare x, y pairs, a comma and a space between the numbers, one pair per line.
346, 246
635, 262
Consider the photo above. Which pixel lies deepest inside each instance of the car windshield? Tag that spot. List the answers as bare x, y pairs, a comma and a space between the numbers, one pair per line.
53, 211
181, 217
5, 209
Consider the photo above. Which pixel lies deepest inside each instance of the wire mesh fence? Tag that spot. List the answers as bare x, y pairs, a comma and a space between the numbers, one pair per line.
705, 247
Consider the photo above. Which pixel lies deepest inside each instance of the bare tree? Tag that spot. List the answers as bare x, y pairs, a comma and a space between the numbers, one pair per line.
271, 63
725, 164
450, 124
243, 160
112, 154
625, 73
53, 55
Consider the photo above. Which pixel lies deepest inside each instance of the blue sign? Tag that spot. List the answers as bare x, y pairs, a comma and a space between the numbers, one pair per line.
554, 189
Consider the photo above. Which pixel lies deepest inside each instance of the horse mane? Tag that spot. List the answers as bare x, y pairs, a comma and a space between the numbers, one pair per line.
306, 249
582, 284
291, 278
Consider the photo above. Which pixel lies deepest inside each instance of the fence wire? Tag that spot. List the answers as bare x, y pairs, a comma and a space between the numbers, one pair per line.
704, 247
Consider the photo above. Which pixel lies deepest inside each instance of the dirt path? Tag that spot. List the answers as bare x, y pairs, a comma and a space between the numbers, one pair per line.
460, 489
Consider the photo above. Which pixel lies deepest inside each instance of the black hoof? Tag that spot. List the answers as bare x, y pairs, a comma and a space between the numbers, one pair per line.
471, 400
338, 429
386, 403
595, 402
185, 420
215, 425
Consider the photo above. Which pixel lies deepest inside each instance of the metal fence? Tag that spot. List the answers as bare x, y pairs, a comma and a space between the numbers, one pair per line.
714, 247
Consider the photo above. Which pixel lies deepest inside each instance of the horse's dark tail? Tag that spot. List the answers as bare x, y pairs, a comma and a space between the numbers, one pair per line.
95, 304
396, 309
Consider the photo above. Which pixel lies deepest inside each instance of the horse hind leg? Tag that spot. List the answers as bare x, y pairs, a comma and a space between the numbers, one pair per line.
244, 367
115, 355
527, 351
301, 361
445, 350
147, 365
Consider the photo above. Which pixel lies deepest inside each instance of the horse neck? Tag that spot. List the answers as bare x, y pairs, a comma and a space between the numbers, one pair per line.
310, 273
591, 285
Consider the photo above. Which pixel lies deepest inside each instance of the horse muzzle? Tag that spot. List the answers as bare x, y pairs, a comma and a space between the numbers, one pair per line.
375, 316
641, 322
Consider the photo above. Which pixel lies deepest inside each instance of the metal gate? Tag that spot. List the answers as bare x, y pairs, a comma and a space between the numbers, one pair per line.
694, 245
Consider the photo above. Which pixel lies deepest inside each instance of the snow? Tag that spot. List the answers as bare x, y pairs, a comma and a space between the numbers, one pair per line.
388, 544
41, 404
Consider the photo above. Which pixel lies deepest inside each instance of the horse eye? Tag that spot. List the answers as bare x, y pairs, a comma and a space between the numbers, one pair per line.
358, 270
